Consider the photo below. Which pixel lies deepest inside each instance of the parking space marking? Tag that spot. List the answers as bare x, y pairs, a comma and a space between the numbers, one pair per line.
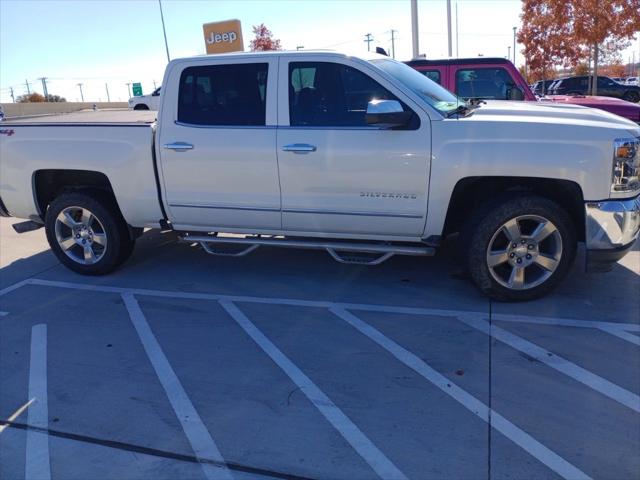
371, 454
621, 333
2, 314
37, 464
591, 380
15, 286
199, 437
14, 415
471, 403
567, 322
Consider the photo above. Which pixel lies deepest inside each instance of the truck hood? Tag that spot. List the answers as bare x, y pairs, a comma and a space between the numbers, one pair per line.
550, 113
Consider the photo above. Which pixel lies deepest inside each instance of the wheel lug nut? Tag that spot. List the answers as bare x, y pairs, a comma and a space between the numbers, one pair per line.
511, 255
528, 256
514, 245
523, 242
77, 235
84, 241
519, 260
530, 247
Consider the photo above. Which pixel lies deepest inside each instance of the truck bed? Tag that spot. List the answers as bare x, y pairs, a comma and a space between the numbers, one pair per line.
89, 117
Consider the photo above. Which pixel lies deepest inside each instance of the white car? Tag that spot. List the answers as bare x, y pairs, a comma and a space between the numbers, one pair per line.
146, 102
632, 81
363, 157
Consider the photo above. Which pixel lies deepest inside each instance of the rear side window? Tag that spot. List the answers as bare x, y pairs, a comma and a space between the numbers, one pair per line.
433, 75
488, 83
331, 95
232, 95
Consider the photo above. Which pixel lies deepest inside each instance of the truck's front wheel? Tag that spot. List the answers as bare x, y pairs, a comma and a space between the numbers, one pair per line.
519, 248
87, 233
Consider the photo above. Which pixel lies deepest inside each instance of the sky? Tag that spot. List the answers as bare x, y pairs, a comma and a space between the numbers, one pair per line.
108, 43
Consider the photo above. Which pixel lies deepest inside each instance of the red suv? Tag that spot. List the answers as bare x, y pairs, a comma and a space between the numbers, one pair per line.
498, 79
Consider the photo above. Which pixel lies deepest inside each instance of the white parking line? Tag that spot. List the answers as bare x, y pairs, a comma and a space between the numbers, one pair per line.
37, 464
621, 333
15, 415
591, 380
471, 403
2, 314
15, 286
203, 445
377, 460
568, 322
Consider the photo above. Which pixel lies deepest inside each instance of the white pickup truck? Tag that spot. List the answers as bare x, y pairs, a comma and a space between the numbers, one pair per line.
365, 158
146, 102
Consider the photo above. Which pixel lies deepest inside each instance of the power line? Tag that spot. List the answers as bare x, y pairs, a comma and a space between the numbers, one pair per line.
368, 39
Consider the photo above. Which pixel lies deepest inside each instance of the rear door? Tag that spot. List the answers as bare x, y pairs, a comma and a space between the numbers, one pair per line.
217, 145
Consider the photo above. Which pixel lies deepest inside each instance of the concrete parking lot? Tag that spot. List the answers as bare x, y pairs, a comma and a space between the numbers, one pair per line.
285, 364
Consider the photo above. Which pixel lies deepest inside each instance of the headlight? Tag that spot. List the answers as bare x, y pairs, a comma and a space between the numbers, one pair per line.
626, 165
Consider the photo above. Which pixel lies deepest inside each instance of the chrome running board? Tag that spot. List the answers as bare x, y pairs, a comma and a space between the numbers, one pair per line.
343, 252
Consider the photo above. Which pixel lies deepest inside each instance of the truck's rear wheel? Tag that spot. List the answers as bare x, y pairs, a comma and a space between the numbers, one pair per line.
87, 233
519, 248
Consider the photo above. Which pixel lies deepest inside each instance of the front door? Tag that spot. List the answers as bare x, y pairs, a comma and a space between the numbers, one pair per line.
217, 147
338, 175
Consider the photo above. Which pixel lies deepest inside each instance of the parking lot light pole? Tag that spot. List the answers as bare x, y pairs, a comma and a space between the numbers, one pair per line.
414, 28
81, 95
164, 31
514, 45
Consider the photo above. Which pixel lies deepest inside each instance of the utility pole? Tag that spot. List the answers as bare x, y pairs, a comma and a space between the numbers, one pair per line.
368, 39
449, 27
414, 28
457, 36
129, 89
393, 43
26, 82
44, 88
81, 95
11, 93
164, 31
107, 89
514, 45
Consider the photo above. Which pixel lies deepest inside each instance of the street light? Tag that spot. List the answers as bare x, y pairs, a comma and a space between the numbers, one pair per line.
514, 44
164, 31
129, 89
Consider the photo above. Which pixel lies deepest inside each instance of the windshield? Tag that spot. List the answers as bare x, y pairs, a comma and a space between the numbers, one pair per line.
438, 97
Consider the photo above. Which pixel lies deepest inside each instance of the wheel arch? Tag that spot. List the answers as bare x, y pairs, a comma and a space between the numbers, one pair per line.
471, 192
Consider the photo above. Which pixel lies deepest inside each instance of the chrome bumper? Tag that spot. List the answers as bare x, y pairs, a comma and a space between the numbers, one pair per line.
612, 228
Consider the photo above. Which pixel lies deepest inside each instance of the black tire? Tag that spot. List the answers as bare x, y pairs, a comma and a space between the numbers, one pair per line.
107, 220
485, 225
631, 97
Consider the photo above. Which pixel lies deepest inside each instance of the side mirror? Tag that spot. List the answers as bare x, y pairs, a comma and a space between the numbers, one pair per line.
387, 113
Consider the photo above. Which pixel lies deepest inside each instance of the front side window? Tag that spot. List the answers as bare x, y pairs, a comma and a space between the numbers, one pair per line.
233, 95
485, 83
328, 94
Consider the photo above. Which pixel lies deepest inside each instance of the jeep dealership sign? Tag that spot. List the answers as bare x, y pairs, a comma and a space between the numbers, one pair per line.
221, 37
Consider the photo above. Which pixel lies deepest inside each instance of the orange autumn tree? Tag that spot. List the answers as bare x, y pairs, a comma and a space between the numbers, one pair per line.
565, 31
545, 39
263, 40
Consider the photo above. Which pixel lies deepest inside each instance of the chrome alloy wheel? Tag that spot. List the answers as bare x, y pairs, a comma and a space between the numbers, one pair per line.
524, 252
80, 235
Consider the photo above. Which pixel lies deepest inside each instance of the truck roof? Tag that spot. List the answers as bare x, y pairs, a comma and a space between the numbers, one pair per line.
457, 61
364, 56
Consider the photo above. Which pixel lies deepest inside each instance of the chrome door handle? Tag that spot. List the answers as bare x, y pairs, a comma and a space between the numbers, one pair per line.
299, 148
178, 146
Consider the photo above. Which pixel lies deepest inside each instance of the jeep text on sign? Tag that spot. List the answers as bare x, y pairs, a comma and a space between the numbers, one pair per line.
221, 37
